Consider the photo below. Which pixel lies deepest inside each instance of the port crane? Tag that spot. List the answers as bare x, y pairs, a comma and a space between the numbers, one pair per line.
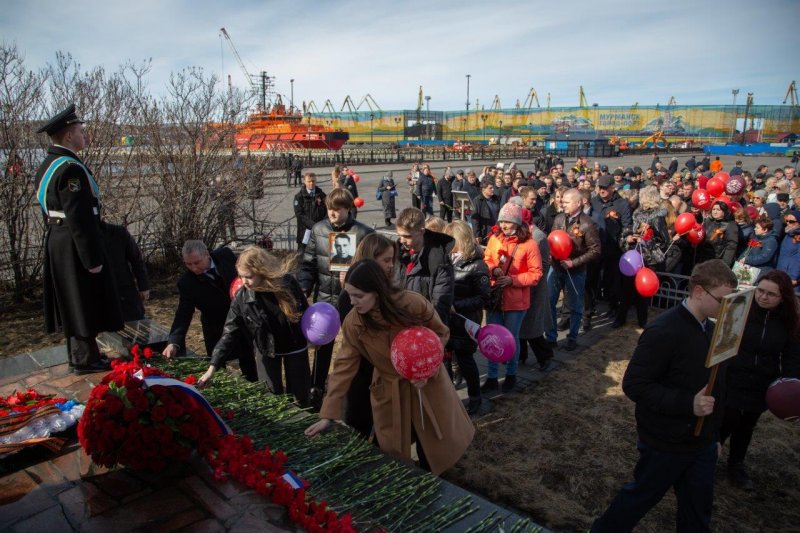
264, 88
791, 97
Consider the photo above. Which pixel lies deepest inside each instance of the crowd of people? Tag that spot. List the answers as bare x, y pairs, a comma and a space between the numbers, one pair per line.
487, 260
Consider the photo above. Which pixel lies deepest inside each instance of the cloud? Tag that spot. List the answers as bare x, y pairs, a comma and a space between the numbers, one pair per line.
619, 52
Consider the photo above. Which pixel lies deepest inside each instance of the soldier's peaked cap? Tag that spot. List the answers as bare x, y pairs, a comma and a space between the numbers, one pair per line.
61, 121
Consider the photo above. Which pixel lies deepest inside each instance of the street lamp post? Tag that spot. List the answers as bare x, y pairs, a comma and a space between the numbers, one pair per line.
483, 118
291, 97
734, 92
467, 104
428, 115
500, 136
308, 137
372, 137
397, 121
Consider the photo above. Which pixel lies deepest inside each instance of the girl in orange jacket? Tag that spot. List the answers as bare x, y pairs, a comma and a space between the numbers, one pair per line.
515, 265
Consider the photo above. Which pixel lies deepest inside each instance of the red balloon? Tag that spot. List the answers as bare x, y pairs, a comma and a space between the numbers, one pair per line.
724, 176
735, 185
715, 186
417, 353
356, 178
236, 284
702, 181
701, 199
358, 202
560, 244
684, 223
646, 282
696, 235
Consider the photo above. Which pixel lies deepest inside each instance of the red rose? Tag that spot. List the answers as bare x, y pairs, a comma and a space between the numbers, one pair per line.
191, 380
159, 413
647, 235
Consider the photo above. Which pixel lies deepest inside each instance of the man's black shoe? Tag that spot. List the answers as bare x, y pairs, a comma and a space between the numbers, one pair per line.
569, 345
544, 364
97, 366
508, 383
474, 404
490, 385
563, 325
587, 324
617, 324
738, 477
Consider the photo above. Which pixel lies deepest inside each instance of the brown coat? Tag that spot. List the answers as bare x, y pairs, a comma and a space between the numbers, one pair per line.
395, 404
585, 240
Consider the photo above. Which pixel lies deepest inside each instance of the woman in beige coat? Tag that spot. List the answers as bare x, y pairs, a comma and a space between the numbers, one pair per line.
443, 430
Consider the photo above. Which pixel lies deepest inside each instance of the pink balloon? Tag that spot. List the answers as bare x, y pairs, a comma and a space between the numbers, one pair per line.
496, 343
417, 353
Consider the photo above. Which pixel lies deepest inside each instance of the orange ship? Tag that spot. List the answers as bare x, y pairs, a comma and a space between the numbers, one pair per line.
279, 129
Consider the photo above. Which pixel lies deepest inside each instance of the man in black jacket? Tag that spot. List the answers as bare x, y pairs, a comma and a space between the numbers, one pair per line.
130, 272
444, 190
205, 286
667, 379
309, 208
615, 211
424, 261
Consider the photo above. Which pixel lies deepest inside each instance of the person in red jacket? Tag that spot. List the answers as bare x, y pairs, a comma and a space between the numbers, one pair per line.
514, 264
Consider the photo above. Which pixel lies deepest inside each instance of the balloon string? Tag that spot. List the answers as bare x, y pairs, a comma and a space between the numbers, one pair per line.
421, 416
572, 282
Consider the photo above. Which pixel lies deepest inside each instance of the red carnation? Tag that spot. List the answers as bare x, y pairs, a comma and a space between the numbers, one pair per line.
647, 235
190, 379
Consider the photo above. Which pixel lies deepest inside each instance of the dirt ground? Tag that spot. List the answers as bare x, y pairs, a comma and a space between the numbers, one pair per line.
561, 450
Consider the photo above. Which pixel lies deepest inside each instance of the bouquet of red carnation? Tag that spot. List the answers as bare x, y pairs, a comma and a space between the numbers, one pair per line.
145, 427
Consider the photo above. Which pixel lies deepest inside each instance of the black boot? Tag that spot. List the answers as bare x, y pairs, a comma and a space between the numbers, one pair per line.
490, 385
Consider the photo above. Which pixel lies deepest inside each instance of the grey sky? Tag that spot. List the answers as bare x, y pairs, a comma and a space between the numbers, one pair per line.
620, 51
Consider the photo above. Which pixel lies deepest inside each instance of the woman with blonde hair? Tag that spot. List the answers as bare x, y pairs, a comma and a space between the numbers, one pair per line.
648, 235
470, 295
267, 311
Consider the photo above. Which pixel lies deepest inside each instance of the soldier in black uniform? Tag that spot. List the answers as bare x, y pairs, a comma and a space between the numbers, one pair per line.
80, 296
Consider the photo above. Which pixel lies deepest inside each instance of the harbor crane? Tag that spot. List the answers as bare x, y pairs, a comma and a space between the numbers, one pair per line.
263, 89
791, 97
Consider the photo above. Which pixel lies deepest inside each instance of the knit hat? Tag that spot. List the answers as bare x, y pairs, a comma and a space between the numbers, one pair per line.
510, 213
516, 200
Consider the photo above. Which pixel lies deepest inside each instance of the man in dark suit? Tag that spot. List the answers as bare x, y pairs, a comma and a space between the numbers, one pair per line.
205, 286
79, 293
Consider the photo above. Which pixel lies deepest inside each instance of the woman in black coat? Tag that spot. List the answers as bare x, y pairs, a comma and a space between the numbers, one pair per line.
770, 349
386, 193
267, 312
470, 295
722, 236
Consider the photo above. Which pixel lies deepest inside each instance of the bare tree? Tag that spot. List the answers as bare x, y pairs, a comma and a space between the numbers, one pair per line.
21, 106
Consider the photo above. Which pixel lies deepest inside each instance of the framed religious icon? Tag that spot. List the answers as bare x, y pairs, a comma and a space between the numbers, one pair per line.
729, 326
342, 246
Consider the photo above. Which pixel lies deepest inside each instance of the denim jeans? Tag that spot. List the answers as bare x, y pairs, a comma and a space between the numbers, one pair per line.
558, 280
512, 320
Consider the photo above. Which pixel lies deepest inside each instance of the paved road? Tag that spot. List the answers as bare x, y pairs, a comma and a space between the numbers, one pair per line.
372, 213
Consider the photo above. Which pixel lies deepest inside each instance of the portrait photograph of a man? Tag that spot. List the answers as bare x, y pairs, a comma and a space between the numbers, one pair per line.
342, 246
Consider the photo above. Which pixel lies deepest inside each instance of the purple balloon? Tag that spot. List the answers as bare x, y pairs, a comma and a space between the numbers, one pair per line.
496, 343
320, 323
630, 263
